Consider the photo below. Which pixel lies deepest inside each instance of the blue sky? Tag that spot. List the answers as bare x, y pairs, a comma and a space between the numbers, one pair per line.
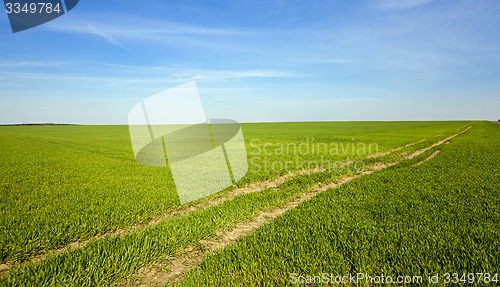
258, 60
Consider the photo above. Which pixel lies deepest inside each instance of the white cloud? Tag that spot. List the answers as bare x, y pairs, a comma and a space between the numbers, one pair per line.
403, 4
101, 33
30, 64
223, 75
83, 27
119, 75
132, 28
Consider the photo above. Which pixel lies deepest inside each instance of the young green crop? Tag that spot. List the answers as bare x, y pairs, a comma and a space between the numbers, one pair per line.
108, 260
436, 218
65, 183
61, 184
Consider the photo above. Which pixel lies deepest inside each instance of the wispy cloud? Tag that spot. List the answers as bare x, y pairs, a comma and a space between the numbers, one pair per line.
83, 27
30, 64
125, 27
128, 75
104, 35
438, 41
403, 4
224, 75
309, 100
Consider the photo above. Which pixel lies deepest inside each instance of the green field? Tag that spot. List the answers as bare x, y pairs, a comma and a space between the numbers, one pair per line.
80, 186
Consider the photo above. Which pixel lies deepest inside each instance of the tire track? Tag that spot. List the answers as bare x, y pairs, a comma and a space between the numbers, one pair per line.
433, 155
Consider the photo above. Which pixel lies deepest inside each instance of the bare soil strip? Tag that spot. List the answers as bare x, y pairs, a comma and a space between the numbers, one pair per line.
159, 274
156, 275
433, 155
395, 149
419, 152
254, 187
